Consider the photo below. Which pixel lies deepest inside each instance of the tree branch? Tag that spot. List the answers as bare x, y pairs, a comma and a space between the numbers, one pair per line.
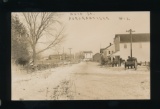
56, 41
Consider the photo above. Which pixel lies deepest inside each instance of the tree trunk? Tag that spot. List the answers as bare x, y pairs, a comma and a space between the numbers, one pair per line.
34, 55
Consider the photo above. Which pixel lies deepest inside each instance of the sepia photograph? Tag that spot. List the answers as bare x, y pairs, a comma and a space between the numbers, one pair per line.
80, 55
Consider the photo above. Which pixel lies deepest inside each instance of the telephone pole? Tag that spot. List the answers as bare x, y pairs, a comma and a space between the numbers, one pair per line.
130, 32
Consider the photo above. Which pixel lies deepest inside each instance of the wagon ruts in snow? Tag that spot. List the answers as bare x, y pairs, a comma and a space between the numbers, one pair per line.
131, 62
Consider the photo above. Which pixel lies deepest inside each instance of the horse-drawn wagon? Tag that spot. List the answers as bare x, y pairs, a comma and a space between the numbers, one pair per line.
131, 62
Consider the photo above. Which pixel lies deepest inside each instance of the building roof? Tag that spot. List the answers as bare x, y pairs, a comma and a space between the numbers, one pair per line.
108, 46
141, 37
87, 52
97, 54
101, 50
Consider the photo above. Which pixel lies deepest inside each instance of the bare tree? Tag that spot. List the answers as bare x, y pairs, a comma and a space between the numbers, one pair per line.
38, 25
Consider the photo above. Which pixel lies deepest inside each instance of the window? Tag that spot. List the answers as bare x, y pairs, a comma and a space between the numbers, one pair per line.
125, 45
108, 52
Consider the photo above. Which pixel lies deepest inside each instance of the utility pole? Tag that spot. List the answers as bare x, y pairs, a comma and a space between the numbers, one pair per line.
70, 52
130, 31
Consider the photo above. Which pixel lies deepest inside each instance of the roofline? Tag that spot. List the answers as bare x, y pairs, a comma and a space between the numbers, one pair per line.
119, 35
108, 46
132, 34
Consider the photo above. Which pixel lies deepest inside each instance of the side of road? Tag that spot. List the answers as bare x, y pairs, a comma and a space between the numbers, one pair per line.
40, 84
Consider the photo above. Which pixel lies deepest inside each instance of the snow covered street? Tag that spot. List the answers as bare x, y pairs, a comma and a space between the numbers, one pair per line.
83, 81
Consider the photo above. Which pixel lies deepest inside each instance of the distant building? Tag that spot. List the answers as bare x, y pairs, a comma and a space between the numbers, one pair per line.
55, 57
140, 46
87, 55
97, 57
59, 57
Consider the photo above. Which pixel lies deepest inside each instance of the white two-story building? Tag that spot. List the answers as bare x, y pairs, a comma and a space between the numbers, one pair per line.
88, 55
140, 46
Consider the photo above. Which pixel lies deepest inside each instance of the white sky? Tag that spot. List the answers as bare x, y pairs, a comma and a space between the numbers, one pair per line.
90, 34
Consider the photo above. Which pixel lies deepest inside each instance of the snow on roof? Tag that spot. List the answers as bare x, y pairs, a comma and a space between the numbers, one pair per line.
141, 37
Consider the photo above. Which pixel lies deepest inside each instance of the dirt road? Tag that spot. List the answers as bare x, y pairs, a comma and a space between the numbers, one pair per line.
83, 81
